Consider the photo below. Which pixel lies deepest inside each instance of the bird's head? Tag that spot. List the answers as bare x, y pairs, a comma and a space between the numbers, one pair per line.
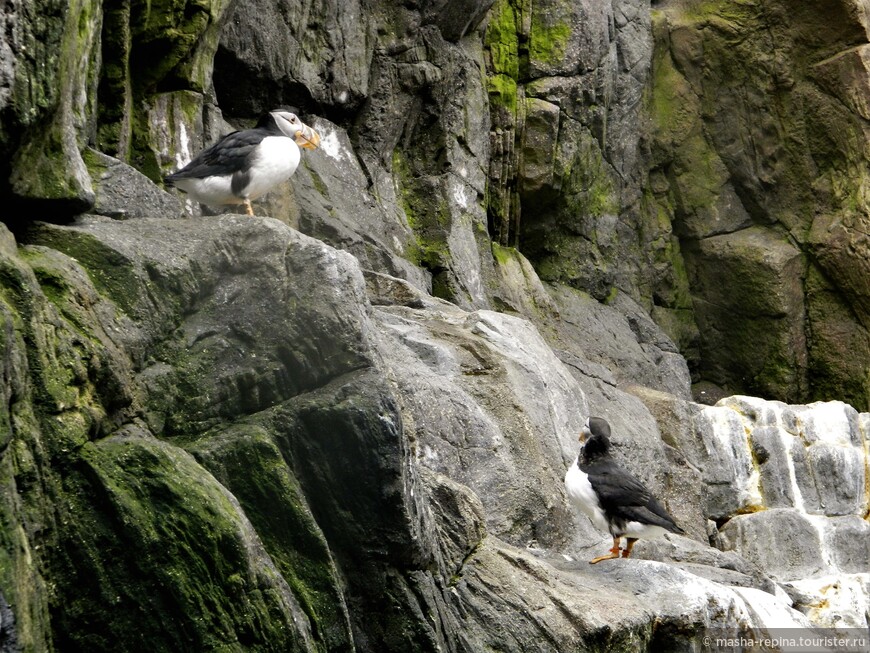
595, 427
290, 125
595, 435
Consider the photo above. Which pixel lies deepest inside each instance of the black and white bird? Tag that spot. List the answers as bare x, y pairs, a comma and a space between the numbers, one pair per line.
614, 500
245, 165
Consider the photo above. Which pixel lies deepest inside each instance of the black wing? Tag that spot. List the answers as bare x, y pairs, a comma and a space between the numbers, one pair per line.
621, 494
652, 513
229, 155
614, 486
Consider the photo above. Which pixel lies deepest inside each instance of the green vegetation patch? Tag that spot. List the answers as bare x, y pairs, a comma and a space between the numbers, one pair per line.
502, 40
152, 550
427, 213
548, 40
245, 459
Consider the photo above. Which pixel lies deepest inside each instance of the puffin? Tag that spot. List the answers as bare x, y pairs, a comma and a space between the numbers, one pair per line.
613, 499
245, 165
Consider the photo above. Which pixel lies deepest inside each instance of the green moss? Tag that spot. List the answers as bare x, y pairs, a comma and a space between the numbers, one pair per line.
318, 182
548, 39
108, 269
115, 89
427, 214
42, 169
586, 183
22, 505
165, 33
245, 459
502, 92
681, 297
144, 525
55, 360
673, 104
723, 13
501, 39
503, 255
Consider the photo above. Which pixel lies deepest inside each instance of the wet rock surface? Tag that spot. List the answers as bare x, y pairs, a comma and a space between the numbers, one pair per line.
344, 424
367, 442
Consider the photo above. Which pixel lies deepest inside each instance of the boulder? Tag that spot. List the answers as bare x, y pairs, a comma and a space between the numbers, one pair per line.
784, 542
764, 311
782, 152
122, 192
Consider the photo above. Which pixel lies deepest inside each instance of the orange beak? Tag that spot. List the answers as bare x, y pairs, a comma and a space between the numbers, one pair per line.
307, 138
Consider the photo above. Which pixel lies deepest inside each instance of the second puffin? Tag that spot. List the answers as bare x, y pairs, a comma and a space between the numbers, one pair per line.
245, 165
613, 499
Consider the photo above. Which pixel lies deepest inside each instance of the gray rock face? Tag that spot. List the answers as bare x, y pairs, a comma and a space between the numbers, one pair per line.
783, 541
729, 175
797, 501
333, 200
45, 121
444, 433
455, 18
354, 438
619, 336
764, 271
458, 378
123, 192
565, 79
313, 52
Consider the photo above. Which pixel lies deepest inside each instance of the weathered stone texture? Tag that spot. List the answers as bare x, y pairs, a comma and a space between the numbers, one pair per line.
768, 130
346, 428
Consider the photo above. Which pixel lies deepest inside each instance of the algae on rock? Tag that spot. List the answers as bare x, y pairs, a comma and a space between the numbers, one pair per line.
765, 131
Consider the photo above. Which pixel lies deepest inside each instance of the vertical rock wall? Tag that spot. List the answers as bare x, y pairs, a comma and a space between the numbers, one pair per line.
759, 160
221, 432
566, 81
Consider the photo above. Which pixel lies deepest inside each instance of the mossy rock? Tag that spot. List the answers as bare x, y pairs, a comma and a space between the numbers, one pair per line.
145, 525
246, 460
502, 40
550, 34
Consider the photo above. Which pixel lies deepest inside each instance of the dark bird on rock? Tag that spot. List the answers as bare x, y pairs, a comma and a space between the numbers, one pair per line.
612, 498
245, 165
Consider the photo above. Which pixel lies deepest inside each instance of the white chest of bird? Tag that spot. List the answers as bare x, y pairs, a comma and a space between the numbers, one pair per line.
276, 160
583, 497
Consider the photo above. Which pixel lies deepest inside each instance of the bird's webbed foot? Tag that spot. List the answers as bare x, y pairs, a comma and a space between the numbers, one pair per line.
614, 553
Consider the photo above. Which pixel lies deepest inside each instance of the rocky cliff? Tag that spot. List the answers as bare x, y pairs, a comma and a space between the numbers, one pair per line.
344, 427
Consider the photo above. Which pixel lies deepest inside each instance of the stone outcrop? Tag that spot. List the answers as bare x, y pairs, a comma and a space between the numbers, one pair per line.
809, 477
585, 134
344, 427
372, 441
759, 159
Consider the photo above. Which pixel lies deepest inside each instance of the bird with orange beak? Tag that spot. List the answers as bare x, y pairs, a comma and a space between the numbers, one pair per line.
245, 165
613, 499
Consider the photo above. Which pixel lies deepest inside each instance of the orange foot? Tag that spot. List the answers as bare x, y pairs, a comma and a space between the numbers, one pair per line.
614, 553
629, 544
